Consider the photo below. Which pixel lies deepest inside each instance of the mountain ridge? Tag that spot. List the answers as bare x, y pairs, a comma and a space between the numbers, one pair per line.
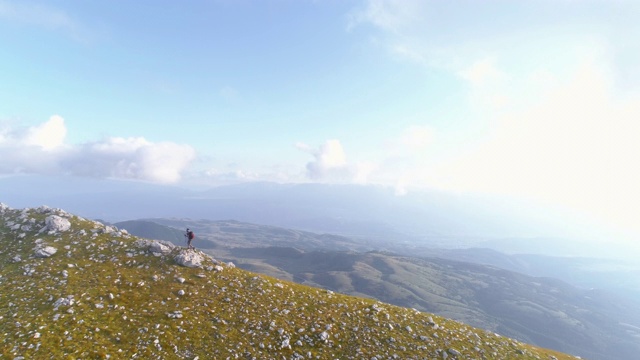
75, 288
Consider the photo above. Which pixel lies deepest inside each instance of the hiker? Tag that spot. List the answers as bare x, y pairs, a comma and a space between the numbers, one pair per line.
190, 236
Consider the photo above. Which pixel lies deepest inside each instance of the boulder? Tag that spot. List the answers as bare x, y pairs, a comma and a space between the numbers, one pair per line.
45, 252
55, 223
189, 258
110, 229
158, 247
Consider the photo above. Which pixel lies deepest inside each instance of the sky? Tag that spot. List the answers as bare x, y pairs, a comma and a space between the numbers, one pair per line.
532, 99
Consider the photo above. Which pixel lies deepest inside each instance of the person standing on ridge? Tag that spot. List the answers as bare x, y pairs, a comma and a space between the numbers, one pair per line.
190, 236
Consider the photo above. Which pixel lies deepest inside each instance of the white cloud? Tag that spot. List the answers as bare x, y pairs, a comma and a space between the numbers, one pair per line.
488, 84
397, 164
331, 155
130, 158
481, 72
416, 137
49, 135
575, 144
363, 172
330, 161
41, 150
330, 164
551, 101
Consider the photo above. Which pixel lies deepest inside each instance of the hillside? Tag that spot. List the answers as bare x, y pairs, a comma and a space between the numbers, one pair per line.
541, 311
73, 288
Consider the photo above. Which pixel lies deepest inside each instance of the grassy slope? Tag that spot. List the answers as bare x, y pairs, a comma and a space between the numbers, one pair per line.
127, 305
556, 314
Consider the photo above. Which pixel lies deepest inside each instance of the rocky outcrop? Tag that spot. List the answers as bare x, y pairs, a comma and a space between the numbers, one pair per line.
55, 223
156, 247
190, 258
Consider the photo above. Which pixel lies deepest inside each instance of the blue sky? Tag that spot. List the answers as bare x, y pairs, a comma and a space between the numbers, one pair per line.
532, 99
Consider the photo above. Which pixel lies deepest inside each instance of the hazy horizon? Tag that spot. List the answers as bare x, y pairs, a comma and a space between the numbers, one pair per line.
433, 219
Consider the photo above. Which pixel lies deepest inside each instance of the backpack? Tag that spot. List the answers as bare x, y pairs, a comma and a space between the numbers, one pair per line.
191, 235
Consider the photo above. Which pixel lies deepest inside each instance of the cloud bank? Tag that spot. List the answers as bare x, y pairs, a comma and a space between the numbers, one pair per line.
553, 105
330, 164
330, 161
42, 150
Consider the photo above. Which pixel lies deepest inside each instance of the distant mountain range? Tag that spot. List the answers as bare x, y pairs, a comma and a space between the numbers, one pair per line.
451, 283
75, 288
430, 218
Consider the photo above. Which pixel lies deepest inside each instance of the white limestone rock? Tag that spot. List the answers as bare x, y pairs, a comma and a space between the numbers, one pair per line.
55, 223
324, 336
454, 352
189, 258
110, 229
45, 252
68, 301
162, 248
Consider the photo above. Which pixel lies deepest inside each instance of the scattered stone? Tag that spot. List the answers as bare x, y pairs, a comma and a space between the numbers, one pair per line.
324, 336
408, 328
45, 252
68, 301
175, 315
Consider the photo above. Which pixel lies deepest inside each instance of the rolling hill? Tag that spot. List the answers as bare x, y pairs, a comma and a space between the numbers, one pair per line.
74, 288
